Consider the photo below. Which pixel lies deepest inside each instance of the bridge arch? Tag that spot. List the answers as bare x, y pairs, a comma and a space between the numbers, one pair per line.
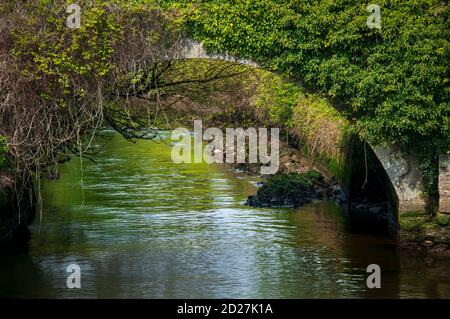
402, 170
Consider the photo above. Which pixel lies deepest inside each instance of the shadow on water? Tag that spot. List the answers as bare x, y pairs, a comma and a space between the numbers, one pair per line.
372, 200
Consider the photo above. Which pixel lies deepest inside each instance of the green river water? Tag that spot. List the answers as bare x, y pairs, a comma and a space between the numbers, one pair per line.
140, 226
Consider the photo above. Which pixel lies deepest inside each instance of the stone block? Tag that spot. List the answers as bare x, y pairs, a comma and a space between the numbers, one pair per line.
444, 184
405, 177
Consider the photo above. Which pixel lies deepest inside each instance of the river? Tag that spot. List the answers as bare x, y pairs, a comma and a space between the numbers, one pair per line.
140, 226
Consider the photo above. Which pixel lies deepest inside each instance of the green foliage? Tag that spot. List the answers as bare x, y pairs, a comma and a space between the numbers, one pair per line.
442, 219
392, 83
309, 118
3, 152
59, 54
278, 97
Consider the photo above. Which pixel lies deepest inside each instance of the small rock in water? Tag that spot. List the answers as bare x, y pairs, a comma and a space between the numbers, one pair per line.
427, 243
440, 249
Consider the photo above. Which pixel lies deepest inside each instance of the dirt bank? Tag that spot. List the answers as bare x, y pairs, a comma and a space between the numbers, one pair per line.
16, 214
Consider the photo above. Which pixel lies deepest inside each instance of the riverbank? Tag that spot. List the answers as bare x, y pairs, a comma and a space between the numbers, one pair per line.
423, 233
16, 214
299, 180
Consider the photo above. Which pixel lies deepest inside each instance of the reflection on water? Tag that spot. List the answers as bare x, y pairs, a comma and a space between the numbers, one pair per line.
141, 226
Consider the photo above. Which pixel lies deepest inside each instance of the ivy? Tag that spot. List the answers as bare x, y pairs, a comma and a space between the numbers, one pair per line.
393, 83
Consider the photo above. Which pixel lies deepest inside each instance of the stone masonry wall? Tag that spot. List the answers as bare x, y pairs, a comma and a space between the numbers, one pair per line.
444, 184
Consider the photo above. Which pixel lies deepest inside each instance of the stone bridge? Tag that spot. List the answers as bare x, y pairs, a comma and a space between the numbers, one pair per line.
402, 169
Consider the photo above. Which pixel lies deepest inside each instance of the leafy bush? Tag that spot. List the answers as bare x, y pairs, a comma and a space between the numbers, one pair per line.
308, 117
392, 84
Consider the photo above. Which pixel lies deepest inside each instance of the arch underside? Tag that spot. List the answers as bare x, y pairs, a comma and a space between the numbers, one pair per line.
402, 170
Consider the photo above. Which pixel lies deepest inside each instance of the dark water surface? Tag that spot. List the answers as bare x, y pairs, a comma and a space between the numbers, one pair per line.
141, 226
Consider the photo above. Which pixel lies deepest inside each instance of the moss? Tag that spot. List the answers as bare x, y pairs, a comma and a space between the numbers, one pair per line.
412, 223
291, 189
420, 227
442, 219
414, 214
429, 225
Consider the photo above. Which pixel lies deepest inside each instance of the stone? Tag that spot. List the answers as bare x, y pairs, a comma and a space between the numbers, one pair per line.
437, 234
427, 243
442, 219
290, 190
415, 236
191, 49
412, 223
444, 184
405, 176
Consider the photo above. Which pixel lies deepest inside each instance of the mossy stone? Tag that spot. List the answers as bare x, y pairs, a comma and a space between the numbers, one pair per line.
413, 214
429, 225
442, 219
438, 234
411, 223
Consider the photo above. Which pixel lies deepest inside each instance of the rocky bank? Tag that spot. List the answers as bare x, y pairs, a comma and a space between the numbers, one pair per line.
14, 218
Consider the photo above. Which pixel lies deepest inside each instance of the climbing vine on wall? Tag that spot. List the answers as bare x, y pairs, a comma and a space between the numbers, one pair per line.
392, 83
